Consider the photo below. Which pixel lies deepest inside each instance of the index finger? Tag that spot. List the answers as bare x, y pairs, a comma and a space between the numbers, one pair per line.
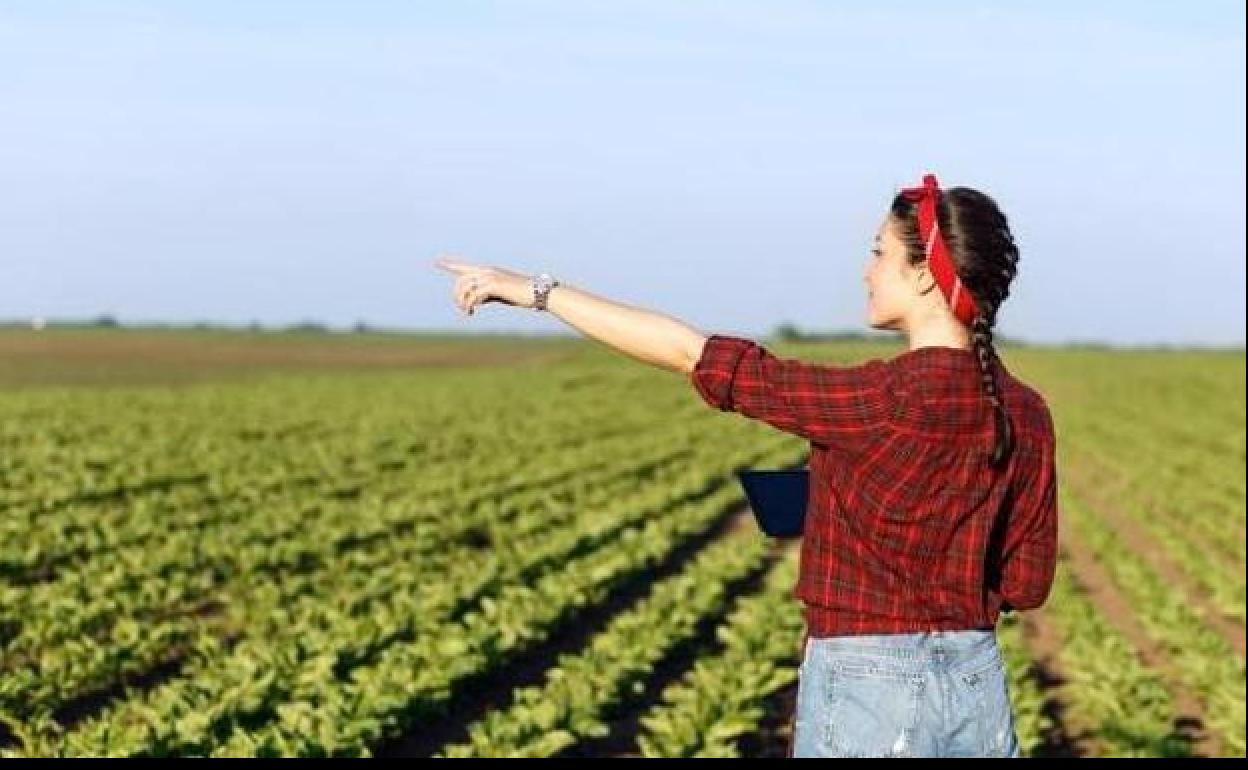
452, 266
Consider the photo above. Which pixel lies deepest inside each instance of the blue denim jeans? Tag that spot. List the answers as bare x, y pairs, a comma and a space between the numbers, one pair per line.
933, 693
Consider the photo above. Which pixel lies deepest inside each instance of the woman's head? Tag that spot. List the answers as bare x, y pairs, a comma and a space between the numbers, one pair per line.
902, 291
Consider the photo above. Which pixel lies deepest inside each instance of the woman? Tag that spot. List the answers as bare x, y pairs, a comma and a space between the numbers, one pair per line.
932, 487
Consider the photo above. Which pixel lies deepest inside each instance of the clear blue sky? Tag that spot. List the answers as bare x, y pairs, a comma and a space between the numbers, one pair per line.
724, 162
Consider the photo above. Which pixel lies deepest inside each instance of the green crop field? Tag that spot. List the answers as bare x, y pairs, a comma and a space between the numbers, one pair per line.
247, 544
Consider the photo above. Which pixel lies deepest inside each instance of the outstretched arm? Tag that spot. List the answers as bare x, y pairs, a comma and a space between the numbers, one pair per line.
840, 406
648, 336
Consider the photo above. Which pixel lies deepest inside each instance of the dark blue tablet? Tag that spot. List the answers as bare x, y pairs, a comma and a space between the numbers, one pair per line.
778, 499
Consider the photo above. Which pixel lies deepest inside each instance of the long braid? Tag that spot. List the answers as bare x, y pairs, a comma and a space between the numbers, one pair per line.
994, 293
981, 332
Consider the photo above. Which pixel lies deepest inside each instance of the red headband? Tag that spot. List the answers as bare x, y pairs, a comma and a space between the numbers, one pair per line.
937, 253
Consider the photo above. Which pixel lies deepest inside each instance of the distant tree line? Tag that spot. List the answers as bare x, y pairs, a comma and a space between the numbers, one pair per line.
789, 332
108, 321
786, 331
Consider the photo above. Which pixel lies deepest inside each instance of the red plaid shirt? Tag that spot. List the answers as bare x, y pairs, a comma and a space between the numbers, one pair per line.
908, 528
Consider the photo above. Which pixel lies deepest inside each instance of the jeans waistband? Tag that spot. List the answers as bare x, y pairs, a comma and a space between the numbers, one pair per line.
918, 646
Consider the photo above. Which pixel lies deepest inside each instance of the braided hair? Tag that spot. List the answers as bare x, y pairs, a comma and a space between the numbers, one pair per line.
977, 235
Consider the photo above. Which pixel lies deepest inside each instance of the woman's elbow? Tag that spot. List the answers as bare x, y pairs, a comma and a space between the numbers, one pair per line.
691, 353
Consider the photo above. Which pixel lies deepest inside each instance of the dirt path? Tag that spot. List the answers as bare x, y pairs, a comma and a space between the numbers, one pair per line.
1066, 738
1215, 552
625, 727
493, 690
1141, 543
1095, 580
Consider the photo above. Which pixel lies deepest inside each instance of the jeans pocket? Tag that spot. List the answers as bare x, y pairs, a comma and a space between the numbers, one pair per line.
987, 687
871, 710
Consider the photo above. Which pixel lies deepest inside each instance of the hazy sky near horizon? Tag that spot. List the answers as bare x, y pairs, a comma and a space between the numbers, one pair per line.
725, 162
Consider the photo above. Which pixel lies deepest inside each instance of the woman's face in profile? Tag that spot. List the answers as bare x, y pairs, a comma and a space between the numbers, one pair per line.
890, 290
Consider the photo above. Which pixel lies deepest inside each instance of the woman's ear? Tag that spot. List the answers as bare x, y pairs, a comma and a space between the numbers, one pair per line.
924, 281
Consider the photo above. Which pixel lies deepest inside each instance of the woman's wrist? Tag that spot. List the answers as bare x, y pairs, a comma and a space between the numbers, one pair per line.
541, 286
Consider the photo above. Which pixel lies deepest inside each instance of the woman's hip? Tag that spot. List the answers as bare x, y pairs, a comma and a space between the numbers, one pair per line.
934, 693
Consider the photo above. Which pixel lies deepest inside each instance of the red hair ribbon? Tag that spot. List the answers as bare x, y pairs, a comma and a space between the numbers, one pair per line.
938, 258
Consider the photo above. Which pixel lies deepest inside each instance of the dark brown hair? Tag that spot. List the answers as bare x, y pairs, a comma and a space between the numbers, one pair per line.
985, 257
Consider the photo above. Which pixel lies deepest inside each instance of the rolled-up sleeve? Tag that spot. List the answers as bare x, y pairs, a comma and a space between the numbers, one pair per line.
835, 406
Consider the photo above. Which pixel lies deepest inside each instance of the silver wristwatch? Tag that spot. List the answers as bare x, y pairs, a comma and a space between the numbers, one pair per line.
542, 284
